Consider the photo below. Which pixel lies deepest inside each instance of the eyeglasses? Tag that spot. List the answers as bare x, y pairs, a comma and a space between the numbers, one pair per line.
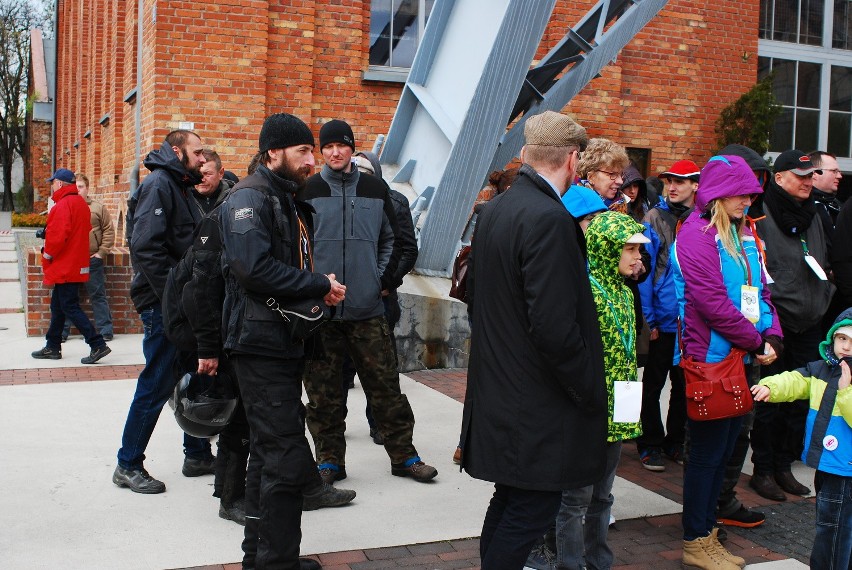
613, 176
834, 171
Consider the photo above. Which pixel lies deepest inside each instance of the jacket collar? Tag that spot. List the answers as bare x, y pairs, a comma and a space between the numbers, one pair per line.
63, 191
539, 182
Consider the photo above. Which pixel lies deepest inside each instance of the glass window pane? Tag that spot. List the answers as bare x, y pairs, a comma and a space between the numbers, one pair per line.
840, 91
764, 66
380, 32
807, 129
429, 4
781, 138
405, 37
785, 19
766, 19
842, 36
810, 30
839, 133
808, 87
784, 83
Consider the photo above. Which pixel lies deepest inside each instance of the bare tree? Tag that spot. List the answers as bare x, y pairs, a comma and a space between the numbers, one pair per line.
17, 18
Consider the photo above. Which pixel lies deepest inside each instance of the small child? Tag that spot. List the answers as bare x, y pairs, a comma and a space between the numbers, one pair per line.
613, 241
828, 438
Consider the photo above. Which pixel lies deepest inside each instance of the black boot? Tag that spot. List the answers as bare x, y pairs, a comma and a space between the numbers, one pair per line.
232, 506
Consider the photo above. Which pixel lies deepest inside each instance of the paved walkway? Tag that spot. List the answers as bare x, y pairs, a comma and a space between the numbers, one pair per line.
60, 426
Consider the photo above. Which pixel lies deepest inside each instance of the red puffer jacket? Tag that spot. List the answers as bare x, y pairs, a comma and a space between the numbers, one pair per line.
67, 238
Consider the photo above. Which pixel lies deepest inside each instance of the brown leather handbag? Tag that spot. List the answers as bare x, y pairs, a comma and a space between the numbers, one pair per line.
717, 390
458, 282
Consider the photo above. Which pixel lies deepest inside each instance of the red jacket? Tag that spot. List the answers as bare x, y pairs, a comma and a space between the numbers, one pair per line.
65, 256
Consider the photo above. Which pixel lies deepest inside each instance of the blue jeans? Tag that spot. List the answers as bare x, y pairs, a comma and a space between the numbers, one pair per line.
711, 444
65, 304
580, 545
833, 541
96, 289
155, 385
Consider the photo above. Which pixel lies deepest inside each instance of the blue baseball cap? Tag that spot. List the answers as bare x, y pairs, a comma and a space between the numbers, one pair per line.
62, 174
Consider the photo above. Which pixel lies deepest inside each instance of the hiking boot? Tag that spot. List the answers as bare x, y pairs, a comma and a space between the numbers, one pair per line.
309, 564
236, 512
96, 354
198, 467
722, 551
326, 496
138, 481
701, 553
743, 518
787, 482
331, 474
541, 558
457, 456
377, 437
767, 488
418, 471
47, 353
652, 460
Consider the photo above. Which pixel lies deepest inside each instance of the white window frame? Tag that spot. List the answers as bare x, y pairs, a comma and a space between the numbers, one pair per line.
395, 73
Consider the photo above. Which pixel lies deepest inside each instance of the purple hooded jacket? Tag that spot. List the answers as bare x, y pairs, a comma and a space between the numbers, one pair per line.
708, 279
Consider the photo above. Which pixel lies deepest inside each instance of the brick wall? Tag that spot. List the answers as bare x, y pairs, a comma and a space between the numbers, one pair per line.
117, 274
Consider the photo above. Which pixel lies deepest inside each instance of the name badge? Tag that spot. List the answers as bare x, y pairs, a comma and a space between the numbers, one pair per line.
750, 303
815, 267
628, 402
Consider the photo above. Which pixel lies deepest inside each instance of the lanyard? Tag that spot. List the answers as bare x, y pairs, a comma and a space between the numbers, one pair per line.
742, 258
804, 246
628, 341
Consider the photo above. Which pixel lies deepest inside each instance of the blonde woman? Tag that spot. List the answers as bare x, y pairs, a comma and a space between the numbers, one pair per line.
601, 168
723, 303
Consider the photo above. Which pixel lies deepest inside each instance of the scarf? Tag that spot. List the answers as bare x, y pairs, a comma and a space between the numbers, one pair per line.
678, 209
793, 217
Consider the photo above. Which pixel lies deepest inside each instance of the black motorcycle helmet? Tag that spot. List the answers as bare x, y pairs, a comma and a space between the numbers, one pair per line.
203, 405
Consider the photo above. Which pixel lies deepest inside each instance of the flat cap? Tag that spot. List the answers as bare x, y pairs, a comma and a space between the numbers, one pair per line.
554, 129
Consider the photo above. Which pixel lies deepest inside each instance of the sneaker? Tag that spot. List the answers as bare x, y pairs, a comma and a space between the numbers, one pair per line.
333, 473
108, 337
47, 353
377, 437
138, 481
541, 558
418, 471
457, 456
721, 534
743, 517
236, 512
675, 453
198, 467
652, 460
326, 496
96, 354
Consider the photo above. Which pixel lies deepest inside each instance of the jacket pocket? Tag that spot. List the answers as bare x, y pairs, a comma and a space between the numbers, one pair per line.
261, 326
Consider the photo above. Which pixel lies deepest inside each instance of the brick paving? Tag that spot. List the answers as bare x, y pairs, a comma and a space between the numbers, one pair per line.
642, 543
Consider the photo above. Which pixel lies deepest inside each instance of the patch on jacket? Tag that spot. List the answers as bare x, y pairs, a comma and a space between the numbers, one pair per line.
84, 270
243, 213
158, 212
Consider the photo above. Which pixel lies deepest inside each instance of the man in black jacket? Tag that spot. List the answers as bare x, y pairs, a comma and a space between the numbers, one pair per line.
164, 223
535, 413
267, 252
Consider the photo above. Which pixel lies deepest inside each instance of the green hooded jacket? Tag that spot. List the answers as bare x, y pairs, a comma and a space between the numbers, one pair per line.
605, 240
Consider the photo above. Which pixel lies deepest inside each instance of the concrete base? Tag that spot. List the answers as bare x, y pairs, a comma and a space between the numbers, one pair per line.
433, 331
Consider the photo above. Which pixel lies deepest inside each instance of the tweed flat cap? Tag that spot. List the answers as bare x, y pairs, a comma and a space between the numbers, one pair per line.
554, 129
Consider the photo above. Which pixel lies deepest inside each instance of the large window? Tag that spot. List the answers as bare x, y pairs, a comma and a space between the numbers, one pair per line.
806, 45
396, 28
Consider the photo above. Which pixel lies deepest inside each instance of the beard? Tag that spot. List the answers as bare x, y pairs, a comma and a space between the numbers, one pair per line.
185, 162
297, 175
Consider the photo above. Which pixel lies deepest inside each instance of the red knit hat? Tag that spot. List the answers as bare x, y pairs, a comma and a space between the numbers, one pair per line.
682, 169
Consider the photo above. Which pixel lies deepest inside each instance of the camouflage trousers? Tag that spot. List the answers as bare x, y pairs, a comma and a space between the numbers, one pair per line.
370, 347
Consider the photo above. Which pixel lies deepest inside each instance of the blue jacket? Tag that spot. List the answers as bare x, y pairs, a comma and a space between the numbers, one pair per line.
659, 299
828, 428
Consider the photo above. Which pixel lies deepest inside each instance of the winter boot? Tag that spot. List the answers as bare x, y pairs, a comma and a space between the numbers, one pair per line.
232, 506
701, 554
714, 538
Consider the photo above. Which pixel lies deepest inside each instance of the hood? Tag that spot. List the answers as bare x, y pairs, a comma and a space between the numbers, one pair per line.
631, 175
63, 191
722, 177
754, 160
581, 201
826, 347
374, 161
605, 239
166, 159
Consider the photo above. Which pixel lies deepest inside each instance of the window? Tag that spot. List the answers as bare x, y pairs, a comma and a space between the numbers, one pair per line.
396, 28
796, 85
797, 21
840, 111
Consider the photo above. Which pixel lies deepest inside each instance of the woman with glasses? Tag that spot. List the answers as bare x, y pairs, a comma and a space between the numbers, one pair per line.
600, 168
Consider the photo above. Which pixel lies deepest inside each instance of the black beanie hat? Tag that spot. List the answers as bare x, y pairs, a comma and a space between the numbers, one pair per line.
283, 130
337, 131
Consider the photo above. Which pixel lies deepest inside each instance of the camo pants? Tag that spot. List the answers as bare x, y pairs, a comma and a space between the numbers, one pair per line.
369, 344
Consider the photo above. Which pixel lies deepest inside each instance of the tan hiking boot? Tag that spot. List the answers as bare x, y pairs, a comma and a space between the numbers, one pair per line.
714, 538
701, 554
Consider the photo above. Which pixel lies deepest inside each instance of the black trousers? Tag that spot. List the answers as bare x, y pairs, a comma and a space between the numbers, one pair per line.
281, 464
516, 519
657, 368
779, 429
